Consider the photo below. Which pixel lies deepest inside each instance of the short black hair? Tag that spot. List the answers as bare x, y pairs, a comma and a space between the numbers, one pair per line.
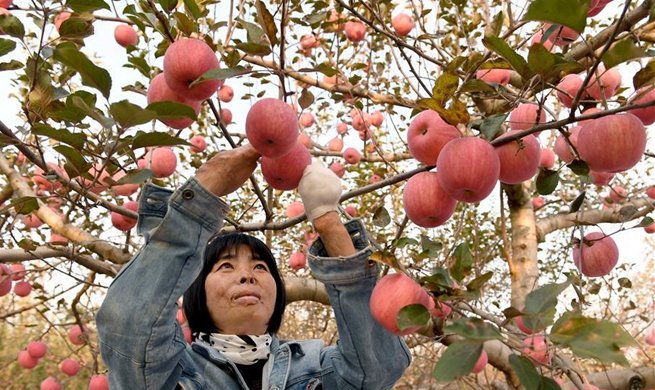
195, 298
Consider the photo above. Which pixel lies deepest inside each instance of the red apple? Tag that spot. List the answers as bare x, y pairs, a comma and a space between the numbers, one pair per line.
284, 173
22, 288
272, 127
650, 192
294, 209
427, 134
480, 363
226, 116
562, 35
644, 95
50, 383
100, 382
304, 139
5, 280
536, 349
350, 210
562, 148
375, 179
568, 88
69, 367
121, 222
351, 155
335, 144
355, 31
125, 35
588, 111
610, 81
392, 293
225, 93
31, 221
601, 178
309, 41
538, 202
57, 239
198, 144
519, 161
425, 202
27, 361
306, 119
538, 37
468, 169
297, 261
546, 158
650, 229
123, 189
377, 118
184, 61
37, 349
613, 143
61, 18
402, 24
75, 335
650, 336
342, 128
17, 271
159, 91
618, 194
163, 161
338, 169
6, 3
361, 121
597, 255
49, 183
497, 76
524, 116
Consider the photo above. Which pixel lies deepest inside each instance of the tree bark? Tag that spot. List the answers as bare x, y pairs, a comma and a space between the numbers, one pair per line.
523, 266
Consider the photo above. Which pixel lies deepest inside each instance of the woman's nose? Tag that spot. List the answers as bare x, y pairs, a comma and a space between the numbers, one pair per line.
246, 278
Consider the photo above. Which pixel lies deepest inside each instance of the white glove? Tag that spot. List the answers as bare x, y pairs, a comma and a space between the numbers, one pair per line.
320, 190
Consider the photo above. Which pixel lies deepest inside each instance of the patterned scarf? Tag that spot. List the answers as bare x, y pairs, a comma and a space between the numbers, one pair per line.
239, 349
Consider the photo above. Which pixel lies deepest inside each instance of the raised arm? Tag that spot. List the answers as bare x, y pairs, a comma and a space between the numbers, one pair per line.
366, 356
140, 340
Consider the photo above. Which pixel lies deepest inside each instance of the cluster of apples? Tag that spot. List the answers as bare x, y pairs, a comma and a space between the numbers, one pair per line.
97, 382
9, 275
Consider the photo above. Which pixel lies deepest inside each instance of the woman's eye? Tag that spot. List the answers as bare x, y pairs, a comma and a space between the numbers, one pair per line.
224, 266
262, 267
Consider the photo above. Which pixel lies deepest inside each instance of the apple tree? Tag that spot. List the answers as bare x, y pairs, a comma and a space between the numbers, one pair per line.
498, 152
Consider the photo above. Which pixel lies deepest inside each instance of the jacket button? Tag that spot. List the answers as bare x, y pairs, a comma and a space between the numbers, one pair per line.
187, 194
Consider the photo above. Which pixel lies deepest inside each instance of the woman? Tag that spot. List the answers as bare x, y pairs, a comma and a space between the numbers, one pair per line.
234, 297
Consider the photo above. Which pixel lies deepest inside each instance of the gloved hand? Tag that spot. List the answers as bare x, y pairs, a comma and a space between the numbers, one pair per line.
320, 190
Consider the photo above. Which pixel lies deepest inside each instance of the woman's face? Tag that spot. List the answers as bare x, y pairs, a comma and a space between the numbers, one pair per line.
240, 292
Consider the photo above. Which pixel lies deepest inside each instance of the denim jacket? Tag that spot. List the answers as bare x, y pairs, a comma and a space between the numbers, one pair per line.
143, 345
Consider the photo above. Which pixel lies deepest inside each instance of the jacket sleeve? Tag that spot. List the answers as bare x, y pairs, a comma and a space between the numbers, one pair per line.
366, 356
140, 340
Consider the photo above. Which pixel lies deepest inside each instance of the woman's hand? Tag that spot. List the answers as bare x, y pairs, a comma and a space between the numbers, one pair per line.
228, 170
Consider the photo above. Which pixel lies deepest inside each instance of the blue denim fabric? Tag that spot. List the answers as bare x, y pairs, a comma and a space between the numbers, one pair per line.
143, 345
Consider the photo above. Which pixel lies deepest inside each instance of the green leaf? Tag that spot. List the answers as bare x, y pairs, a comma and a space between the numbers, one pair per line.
458, 360
539, 311
647, 221
445, 87
591, 338
156, 139
306, 98
256, 37
74, 160
23, 205
623, 51
185, 24
430, 248
168, 5
473, 329
6, 46
412, 316
547, 181
403, 242
326, 69
645, 76
526, 371
540, 60
82, 6
503, 49
438, 281
76, 28
480, 281
570, 13
577, 203
191, 7
171, 110
381, 217
463, 262
12, 26
254, 49
127, 114
135, 176
496, 25
92, 75
492, 125
579, 167
76, 140
11, 65
267, 22
92, 112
